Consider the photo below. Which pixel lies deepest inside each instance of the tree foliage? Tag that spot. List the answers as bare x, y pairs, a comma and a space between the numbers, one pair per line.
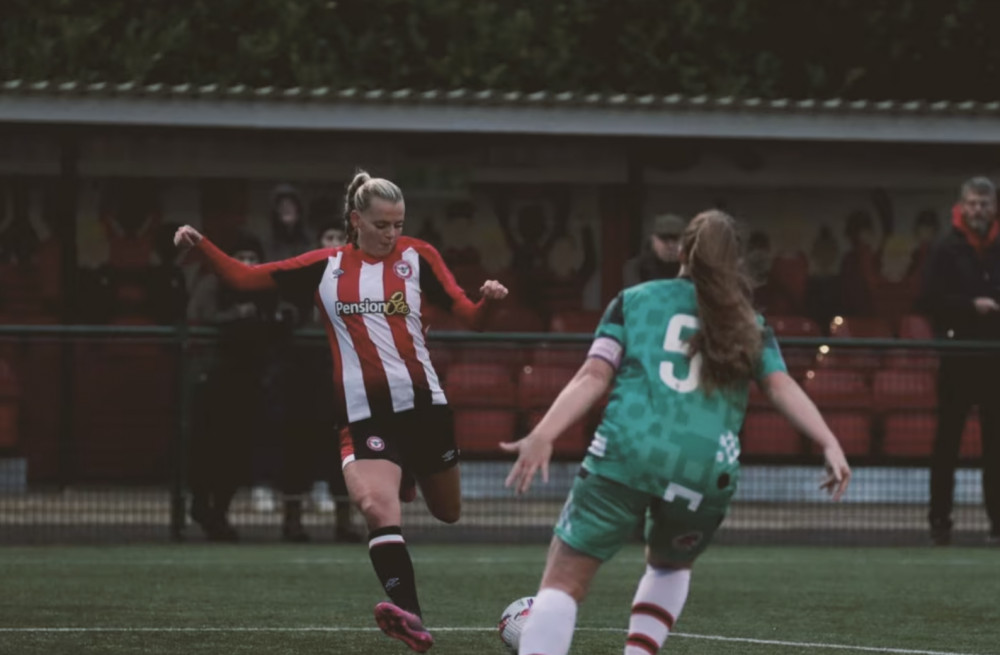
902, 49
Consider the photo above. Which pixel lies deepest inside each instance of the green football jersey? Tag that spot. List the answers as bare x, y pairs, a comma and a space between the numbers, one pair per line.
661, 433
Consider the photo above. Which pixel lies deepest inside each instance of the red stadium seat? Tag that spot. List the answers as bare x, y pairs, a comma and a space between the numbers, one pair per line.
797, 358
580, 320
853, 430
480, 431
767, 432
515, 318
442, 356
757, 397
838, 388
912, 435
480, 386
10, 402
123, 389
793, 326
437, 320
911, 359
855, 327
901, 389
569, 355
909, 435
510, 355
913, 327
860, 327
538, 386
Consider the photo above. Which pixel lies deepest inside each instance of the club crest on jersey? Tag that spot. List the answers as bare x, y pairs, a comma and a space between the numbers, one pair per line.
395, 305
337, 272
402, 269
688, 541
375, 443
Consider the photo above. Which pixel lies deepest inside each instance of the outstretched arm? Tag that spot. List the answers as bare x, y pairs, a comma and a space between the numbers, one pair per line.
589, 384
293, 277
233, 273
440, 287
789, 398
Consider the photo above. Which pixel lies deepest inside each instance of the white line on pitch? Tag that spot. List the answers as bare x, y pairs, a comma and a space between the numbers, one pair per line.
744, 640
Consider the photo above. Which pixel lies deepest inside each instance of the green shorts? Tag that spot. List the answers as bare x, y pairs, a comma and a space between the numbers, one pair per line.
601, 515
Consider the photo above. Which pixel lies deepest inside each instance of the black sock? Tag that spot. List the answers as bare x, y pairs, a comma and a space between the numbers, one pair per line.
393, 567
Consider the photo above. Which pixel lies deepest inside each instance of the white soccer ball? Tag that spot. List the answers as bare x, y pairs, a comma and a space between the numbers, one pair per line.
512, 622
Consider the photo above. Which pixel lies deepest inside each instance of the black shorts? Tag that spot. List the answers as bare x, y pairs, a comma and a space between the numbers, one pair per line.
420, 440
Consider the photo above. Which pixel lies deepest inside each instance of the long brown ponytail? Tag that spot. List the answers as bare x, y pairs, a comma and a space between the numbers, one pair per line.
729, 338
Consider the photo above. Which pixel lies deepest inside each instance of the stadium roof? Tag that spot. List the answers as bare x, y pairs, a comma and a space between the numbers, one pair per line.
497, 112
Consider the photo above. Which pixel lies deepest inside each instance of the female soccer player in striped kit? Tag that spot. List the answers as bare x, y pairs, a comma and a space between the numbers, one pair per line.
679, 356
370, 294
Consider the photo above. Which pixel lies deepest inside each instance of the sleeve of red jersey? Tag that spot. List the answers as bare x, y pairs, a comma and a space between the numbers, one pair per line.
472, 314
241, 277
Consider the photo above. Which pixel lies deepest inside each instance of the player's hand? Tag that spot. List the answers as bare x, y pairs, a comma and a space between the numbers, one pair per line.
186, 237
533, 453
493, 290
985, 305
838, 472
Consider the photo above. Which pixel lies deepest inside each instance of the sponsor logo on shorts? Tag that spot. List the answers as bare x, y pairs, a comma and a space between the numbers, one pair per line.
375, 443
403, 270
396, 304
687, 541
448, 456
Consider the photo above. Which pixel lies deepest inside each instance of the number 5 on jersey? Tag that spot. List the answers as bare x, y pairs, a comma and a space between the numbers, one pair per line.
673, 343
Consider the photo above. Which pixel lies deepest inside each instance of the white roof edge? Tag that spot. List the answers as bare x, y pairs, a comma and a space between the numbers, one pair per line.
629, 121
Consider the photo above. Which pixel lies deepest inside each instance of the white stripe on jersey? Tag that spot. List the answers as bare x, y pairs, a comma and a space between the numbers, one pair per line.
372, 287
416, 328
350, 364
598, 446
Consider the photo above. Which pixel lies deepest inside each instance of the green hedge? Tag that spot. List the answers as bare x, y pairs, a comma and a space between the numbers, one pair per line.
772, 48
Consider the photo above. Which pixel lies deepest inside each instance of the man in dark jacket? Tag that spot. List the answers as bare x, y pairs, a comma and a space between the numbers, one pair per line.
961, 294
660, 255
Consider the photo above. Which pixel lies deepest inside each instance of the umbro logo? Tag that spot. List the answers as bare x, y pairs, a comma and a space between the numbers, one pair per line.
448, 455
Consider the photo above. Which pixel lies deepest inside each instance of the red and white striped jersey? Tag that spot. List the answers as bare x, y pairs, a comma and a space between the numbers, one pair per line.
372, 310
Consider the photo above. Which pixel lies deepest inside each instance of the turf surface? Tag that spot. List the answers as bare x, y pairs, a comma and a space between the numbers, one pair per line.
318, 599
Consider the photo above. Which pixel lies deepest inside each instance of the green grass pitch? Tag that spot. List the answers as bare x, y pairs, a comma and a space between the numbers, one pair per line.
280, 599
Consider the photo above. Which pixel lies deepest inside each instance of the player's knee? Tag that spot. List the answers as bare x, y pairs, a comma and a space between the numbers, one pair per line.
448, 512
376, 508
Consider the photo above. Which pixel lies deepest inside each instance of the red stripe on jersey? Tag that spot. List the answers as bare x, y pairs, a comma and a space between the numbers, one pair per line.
375, 380
472, 314
339, 401
402, 338
346, 443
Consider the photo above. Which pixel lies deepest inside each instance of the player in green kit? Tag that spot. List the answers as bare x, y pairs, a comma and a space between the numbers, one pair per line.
679, 357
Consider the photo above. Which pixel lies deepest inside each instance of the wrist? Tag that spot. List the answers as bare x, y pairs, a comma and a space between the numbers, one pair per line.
542, 436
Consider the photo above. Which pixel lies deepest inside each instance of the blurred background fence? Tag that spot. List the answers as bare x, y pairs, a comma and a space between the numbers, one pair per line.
97, 424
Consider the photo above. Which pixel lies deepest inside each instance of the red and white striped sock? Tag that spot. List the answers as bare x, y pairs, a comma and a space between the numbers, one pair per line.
658, 602
550, 624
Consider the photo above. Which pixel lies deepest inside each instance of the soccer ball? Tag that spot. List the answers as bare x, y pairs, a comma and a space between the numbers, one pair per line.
512, 622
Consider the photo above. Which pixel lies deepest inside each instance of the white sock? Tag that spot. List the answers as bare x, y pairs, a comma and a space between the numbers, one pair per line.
550, 624
658, 602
